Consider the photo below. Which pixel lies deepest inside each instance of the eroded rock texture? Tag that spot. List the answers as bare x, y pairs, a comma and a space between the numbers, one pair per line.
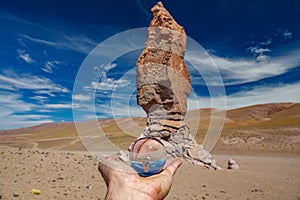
163, 80
163, 85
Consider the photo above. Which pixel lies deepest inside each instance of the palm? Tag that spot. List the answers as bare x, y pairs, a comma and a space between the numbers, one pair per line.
119, 175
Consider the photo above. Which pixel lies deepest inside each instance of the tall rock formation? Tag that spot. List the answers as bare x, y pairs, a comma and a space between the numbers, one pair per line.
163, 85
163, 80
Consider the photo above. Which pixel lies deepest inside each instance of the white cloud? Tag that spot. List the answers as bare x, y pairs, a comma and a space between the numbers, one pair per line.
262, 58
12, 18
58, 106
269, 94
259, 53
287, 35
118, 110
266, 42
45, 111
24, 56
127, 110
11, 107
12, 102
79, 44
5, 86
103, 69
30, 116
30, 82
259, 95
258, 50
142, 8
238, 71
21, 122
81, 97
16, 111
46, 92
87, 116
241, 71
49, 65
40, 99
106, 84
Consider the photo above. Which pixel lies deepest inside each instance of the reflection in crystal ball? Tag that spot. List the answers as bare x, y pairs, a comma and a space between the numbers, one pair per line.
148, 156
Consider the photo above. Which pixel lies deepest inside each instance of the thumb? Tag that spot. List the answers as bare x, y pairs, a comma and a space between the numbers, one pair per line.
172, 165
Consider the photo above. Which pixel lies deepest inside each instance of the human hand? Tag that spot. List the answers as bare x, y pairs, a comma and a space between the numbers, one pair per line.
124, 183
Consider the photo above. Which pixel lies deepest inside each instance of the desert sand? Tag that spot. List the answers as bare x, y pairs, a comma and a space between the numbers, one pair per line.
70, 175
263, 139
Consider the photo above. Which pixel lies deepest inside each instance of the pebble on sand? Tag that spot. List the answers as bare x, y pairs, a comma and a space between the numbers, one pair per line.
36, 192
233, 164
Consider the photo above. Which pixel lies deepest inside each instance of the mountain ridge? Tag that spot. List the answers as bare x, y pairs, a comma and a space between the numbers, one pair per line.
263, 128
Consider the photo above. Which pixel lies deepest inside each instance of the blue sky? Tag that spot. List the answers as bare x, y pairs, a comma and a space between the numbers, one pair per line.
255, 46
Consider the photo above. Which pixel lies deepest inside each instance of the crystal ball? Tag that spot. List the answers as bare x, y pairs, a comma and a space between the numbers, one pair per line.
148, 156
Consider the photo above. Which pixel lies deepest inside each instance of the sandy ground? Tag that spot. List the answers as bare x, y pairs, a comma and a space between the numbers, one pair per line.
66, 175
259, 177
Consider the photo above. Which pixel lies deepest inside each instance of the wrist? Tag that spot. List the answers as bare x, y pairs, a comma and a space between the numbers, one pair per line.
127, 195
122, 192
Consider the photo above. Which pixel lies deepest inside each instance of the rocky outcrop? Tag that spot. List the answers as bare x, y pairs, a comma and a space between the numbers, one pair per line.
163, 80
163, 85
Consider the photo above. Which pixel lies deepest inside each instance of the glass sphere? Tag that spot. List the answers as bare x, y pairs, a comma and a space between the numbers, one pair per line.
148, 156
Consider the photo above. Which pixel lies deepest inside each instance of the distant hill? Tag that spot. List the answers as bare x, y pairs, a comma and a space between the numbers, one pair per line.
260, 128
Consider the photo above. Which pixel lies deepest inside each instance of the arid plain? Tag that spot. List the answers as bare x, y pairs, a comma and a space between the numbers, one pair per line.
263, 139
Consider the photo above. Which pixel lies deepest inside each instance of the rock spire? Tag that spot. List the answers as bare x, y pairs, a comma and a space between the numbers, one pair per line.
163, 85
163, 80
